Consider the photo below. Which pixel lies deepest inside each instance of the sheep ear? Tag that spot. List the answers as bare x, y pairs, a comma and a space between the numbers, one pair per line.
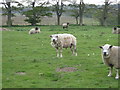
50, 35
100, 47
111, 46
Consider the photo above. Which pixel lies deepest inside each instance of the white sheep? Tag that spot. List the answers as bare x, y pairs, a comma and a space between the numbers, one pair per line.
65, 25
34, 30
60, 41
111, 57
116, 30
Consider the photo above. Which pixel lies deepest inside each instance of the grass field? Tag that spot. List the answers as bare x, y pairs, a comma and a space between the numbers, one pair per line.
29, 61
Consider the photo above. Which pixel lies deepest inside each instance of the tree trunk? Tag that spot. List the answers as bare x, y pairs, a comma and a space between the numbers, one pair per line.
101, 22
59, 11
105, 11
34, 16
9, 21
76, 20
81, 10
58, 20
81, 19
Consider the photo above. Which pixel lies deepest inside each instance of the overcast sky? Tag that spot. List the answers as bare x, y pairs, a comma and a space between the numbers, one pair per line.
93, 1
98, 2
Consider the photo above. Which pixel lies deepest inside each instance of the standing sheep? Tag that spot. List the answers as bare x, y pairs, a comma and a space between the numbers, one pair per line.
60, 41
65, 25
116, 30
34, 30
111, 57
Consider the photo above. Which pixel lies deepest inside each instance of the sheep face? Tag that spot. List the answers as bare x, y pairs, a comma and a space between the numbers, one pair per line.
36, 28
115, 28
68, 23
54, 38
106, 50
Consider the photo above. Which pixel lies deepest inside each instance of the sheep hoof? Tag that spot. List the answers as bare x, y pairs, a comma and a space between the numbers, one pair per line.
109, 75
61, 56
76, 54
117, 78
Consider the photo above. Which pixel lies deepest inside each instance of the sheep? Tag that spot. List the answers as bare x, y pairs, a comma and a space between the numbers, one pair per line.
111, 57
34, 30
60, 41
116, 30
65, 25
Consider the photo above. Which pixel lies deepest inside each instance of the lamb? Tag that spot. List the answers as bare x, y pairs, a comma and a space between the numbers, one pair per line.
34, 30
60, 41
116, 30
65, 25
111, 57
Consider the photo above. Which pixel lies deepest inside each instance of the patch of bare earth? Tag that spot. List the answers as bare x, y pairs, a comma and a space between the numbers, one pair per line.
20, 73
66, 69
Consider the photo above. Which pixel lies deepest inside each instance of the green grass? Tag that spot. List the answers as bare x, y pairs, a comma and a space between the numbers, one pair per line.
34, 55
0, 60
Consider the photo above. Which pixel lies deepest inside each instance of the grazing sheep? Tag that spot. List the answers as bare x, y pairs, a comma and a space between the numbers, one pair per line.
60, 41
116, 30
65, 25
111, 57
34, 30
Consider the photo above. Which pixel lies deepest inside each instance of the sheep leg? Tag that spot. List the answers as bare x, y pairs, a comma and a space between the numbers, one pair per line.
66, 26
75, 52
57, 53
110, 72
61, 52
117, 74
71, 49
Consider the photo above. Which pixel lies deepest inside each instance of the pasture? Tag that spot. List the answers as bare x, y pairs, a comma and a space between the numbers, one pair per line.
29, 61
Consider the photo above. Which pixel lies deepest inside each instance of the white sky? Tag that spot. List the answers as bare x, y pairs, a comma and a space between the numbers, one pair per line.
98, 2
91, 1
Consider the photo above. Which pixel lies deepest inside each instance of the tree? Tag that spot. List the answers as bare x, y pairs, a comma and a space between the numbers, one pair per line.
105, 12
112, 15
76, 15
34, 15
119, 13
74, 11
58, 8
90, 11
8, 10
98, 15
81, 11
36, 12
